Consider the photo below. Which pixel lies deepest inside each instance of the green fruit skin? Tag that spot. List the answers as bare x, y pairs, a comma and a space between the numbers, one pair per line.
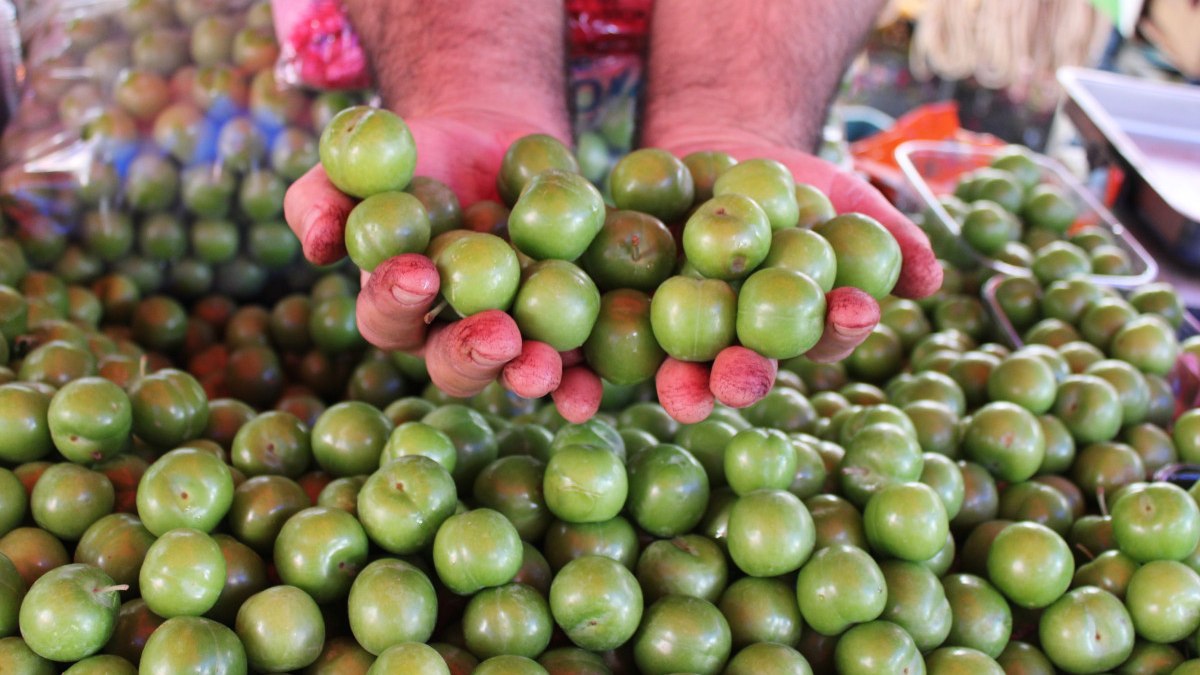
528, 157
366, 151
512, 619
694, 319
348, 438
839, 586
185, 488
727, 237
117, 545
12, 590
261, 506
557, 216
281, 629
668, 491
386, 225
806, 252
1086, 631
868, 256
169, 407
953, 660
102, 664
321, 550
391, 602
916, 602
14, 650
512, 485
1007, 440
415, 438
68, 498
622, 348
761, 610
183, 573
187, 645
770, 533
1163, 599
981, 618
585, 484
1031, 564
476, 550
681, 634
769, 183
1159, 521
691, 565
402, 504
409, 657
877, 647
906, 521
633, 250
479, 271
557, 303
90, 420
24, 430
780, 313
654, 182
768, 658
759, 458
69, 613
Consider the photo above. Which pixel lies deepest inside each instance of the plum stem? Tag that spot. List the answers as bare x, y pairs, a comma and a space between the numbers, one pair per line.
1101, 501
433, 313
1085, 550
114, 587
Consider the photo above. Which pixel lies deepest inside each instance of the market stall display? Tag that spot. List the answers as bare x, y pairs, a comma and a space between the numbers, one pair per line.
210, 463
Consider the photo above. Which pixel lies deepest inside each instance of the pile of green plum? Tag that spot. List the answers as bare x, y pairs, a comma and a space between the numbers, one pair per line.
208, 486
698, 255
155, 141
1009, 212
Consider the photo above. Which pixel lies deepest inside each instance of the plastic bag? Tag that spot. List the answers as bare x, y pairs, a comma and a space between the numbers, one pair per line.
607, 70
319, 47
153, 139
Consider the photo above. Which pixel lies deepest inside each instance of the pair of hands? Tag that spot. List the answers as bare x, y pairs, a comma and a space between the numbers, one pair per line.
464, 150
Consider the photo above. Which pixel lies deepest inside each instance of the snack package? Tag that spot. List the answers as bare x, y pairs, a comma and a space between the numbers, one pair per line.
152, 138
606, 72
319, 48
10, 61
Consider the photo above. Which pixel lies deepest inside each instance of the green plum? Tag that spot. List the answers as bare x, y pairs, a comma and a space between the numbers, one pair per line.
476, 550
868, 256
193, 646
1086, 630
557, 216
321, 550
694, 319
70, 612
727, 237
366, 151
402, 505
681, 634
183, 573
391, 602
558, 304
780, 313
840, 586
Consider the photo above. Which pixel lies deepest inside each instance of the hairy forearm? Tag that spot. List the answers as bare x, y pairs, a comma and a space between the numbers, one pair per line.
759, 72
440, 57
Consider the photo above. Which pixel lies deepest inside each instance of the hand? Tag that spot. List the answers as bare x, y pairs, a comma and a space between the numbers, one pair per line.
463, 150
739, 377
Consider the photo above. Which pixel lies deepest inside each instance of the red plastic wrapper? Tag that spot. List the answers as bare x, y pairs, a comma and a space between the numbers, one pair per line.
319, 48
608, 26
